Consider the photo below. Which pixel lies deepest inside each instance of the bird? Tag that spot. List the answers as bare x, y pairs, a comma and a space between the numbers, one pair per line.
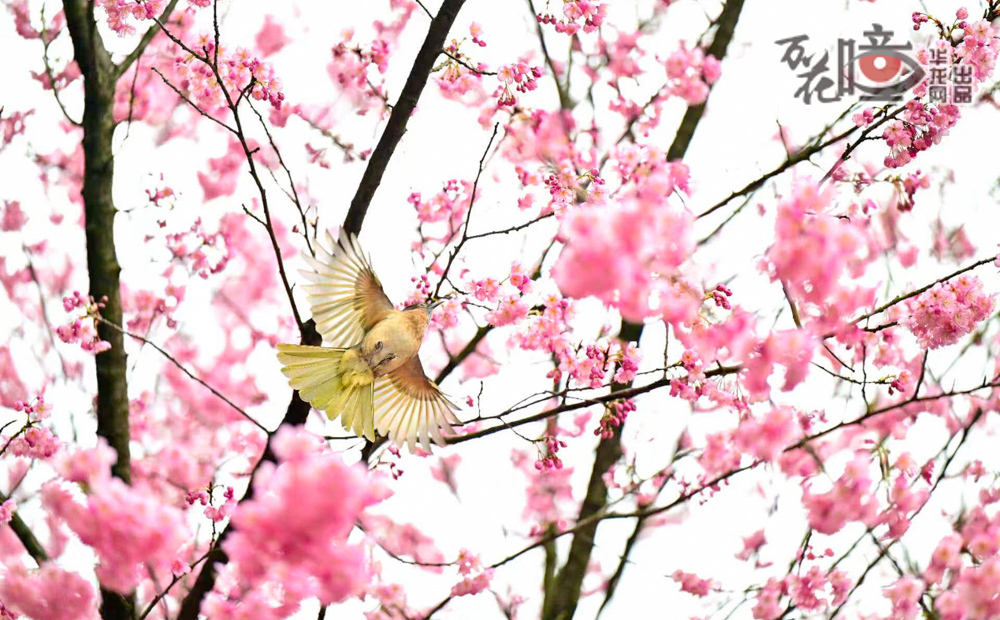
370, 374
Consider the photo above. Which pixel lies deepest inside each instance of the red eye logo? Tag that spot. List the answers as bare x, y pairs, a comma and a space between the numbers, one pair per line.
880, 68
885, 74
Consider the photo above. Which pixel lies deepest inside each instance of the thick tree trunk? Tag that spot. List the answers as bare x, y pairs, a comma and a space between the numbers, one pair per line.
560, 603
99, 77
103, 268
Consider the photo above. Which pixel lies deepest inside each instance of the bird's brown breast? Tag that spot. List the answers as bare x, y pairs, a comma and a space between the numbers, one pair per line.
416, 322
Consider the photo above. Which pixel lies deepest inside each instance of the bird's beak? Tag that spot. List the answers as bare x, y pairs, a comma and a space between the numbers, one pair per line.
436, 303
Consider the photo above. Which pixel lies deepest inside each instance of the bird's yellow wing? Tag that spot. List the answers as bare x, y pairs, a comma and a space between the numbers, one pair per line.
411, 407
345, 294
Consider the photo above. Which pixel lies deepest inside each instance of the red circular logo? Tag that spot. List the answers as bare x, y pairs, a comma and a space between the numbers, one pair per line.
887, 73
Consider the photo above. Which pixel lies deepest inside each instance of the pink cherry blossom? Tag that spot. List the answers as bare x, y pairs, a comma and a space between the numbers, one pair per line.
276, 539
948, 311
49, 593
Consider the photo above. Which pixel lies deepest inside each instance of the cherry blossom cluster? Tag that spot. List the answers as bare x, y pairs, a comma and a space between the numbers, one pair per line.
121, 12
462, 79
951, 243
562, 188
12, 125
720, 295
793, 349
924, 125
814, 249
7, 510
199, 251
146, 307
690, 73
241, 73
403, 540
850, 499
865, 117
50, 592
390, 461
511, 309
13, 217
768, 436
548, 457
582, 364
907, 186
296, 541
613, 253
577, 15
204, 497
349, 70
519, 76
22, 19
449, 204
614, 416
693, 584
83, 332
969, 558
549, 495
271, 38
459, 83
813, 591
59, 79
476, 32
949, 310
34, 442
128, 528
475, 577
87, 466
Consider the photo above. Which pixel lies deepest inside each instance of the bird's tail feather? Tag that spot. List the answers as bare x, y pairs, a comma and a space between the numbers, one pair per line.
317, 374
357, 411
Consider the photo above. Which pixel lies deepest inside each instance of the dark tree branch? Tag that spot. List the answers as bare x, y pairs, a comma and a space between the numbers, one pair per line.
298, 409
456, 360
98, 124
27, 538
565, 103
46, 42
396, 126
565, 593
102, 261
562, 605
692, 117
627, 391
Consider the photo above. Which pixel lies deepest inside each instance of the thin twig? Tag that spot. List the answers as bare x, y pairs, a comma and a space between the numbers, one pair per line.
184, 369
468, 214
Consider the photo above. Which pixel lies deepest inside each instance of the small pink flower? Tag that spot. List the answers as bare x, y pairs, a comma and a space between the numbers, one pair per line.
7, 510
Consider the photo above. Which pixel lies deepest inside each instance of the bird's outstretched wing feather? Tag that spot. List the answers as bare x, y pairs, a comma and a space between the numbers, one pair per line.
410, 407
345, 295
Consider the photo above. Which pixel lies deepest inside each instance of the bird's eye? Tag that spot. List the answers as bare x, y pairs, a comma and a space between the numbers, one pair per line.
378, 345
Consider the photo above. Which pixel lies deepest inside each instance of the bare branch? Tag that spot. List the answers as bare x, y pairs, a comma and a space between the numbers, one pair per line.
187, 372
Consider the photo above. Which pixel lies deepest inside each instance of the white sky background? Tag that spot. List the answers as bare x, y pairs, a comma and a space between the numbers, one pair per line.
733, 145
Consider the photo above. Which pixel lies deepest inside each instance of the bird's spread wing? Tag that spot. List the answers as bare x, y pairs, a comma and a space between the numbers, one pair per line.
345, 294
411, 407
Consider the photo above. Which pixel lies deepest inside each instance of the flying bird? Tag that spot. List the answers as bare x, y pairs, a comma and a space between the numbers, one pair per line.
370, 375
